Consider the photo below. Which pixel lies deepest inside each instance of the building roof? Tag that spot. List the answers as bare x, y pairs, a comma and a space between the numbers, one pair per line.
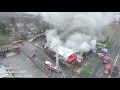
65, 52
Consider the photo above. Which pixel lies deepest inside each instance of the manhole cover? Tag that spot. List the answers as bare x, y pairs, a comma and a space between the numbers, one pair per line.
115, 71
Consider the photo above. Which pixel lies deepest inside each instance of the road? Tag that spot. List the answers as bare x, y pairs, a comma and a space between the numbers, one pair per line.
98, 73
29, 48
67, 72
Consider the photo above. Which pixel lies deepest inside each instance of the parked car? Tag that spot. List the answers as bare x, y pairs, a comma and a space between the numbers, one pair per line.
101, 55
104, 50
31, 40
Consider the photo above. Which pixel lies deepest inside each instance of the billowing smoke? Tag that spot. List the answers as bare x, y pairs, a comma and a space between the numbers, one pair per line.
76, 31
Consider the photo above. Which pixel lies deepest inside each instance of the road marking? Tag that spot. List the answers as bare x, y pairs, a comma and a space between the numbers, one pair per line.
30, 61
100, 75
64, 74
97, 74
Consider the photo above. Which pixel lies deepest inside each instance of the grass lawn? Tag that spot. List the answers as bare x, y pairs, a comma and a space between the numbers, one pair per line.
5, 41
96, 60
87, 71
108, 43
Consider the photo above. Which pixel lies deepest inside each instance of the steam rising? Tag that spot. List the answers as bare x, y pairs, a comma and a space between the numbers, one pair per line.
78, 32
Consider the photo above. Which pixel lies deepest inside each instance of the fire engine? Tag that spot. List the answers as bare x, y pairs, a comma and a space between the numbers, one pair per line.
106, 58
74, 57
51, 66
18, 42
67, 59
17, 45
108, 69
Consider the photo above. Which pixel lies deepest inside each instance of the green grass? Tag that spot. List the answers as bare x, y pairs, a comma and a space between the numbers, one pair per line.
108, 43
5, 41
87, 71
96, 60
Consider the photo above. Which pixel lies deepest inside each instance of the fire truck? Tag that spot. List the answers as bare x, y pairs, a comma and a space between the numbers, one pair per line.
17, 45
106, 59
50, 52
68, 60
51, 66
74, 57
108, 69
18, 42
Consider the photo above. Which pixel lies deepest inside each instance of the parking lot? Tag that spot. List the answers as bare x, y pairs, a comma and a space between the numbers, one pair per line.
26, 68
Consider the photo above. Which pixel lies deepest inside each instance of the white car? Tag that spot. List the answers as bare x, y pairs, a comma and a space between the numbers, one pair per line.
51, 66
36, 44
100, 55
30, 40
104, 50
94, 50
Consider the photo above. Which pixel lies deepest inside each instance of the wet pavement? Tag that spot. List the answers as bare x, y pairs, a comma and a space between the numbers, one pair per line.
21, 64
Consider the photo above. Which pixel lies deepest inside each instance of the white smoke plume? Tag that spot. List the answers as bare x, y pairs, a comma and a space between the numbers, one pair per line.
77, 31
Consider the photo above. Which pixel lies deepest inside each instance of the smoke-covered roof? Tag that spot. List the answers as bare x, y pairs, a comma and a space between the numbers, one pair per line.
65, 52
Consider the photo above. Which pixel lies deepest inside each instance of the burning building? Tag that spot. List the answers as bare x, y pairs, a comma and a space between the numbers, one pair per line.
75, 32
65, 55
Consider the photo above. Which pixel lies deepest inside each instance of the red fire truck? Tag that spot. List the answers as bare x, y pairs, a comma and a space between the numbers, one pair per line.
18, 42
51, 66
108, 69
106, 58
74, 57
17, 45
71, 58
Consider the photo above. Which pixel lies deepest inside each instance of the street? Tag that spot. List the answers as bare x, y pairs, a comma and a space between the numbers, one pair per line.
42, 57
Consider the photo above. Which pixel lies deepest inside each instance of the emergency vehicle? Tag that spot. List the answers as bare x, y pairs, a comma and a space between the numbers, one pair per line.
51, 66
108, 69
